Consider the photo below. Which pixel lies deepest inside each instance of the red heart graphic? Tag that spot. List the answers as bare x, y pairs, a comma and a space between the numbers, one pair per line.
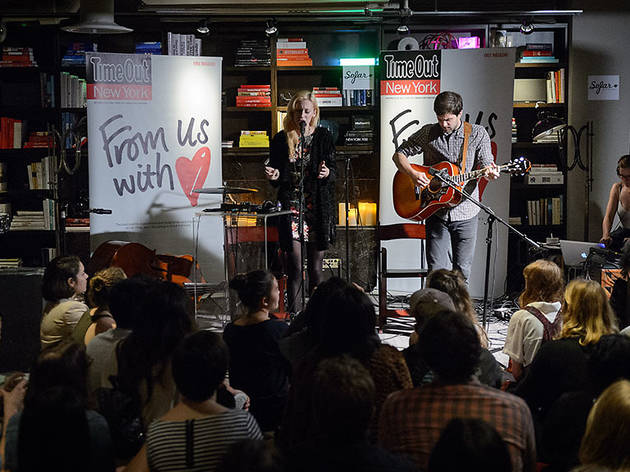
483, 181
192, 173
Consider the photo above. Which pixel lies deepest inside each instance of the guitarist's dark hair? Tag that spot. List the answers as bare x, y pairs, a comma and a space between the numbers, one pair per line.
448, 102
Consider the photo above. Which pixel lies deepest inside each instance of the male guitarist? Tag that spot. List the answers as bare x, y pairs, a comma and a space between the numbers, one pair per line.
449, 230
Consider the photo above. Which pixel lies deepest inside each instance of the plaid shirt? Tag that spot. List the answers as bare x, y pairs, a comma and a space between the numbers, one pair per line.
411, 420
438, 146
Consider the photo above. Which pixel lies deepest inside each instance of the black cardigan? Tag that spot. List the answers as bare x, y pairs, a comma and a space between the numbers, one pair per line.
322, 149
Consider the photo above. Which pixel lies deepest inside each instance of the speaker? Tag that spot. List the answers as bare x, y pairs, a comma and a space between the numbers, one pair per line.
20, 317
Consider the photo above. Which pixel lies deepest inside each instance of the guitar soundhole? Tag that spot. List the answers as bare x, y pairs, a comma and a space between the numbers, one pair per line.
435, 185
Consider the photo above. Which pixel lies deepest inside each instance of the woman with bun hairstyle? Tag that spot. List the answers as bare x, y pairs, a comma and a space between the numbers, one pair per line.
257, 366
63, 286
98, 319
283, 172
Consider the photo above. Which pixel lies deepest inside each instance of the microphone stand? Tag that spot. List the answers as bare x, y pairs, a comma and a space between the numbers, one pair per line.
491, 219
301, 216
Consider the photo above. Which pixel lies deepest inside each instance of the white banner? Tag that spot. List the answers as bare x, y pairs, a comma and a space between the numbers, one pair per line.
154, 134
410, 81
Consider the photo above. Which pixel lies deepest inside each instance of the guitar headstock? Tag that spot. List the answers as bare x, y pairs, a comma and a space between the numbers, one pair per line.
517, 166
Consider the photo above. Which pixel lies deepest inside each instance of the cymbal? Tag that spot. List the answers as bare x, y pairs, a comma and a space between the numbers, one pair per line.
225, 190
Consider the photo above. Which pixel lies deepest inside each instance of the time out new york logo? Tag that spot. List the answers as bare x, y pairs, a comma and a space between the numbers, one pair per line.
410, 72
119, 77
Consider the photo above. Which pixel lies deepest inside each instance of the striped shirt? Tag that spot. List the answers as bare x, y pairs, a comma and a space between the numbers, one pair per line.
412, 420
438, 146
211, 437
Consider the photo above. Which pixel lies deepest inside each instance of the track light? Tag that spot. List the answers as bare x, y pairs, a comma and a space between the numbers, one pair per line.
405, 13
527, 27
203, 27
271, 28
402, 27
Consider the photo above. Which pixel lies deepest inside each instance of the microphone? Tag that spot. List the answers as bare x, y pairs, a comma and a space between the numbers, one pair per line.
101, 211
302, 126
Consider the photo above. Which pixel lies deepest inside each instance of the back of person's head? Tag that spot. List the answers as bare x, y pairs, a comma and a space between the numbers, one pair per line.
605, 442
348, 325
544, 282
448, 103
453, 283
343, 397
64, 365
426, 303
609, 361
469, 444
127, 299
252, 455
100, 286
199, 365
53, 433
252, 287
55, 282
450, 346
316, 306
587, 313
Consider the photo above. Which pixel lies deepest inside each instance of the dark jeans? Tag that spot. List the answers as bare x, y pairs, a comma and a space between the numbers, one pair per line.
451, 244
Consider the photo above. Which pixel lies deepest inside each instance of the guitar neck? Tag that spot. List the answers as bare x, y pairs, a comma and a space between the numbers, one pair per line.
473, 175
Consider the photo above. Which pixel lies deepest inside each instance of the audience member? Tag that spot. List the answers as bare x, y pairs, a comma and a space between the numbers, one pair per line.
56, 431
469, 444
141, 362
561, 365
454, 283
539, 318
98, 319
256, 364
619, 295
63, 286
252, 455
348, 327
196, 433
605, 443
412, 420
423, 305
126, 300
343, 398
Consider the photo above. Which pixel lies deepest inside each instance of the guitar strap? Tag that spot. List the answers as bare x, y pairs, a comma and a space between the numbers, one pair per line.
467, 131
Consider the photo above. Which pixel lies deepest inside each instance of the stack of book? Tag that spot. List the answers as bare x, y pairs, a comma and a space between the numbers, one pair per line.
10, 262
227, 143
149, 47
73, 91
39, 139
183, 44
253, 139
253, 52
254, 96
328, 96
555, 86
538, 53
11, 133
292, 52
39, 174
75, 54
17, 57
77, 225
362, 132
514, 131
545, 211
544, 174
33, 220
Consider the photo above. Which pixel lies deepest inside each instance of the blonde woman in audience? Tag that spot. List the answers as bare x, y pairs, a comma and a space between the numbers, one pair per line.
454, 283
605, 442
561, 365
98, 319
64, 284
539, 318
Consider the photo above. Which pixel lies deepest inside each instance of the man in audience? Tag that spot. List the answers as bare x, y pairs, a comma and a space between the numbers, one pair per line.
411, 420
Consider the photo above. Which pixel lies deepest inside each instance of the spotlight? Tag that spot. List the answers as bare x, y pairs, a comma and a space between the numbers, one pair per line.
203, 27
403, 28
527, 27
271, 28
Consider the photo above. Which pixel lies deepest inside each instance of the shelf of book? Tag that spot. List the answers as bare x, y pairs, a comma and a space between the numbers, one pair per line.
549, 65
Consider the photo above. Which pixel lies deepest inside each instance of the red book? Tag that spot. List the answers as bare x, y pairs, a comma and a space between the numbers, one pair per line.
295, 63
255, 86
295, 57
281, 52
528, 53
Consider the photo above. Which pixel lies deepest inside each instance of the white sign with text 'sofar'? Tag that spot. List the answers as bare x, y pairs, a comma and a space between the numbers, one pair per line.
603, 87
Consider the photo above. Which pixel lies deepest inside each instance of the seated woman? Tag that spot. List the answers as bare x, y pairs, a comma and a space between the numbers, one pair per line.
56, 430
454, 283
561, 365
98, 319
618, 204
256, 364
64, 284
197, 432
539, 318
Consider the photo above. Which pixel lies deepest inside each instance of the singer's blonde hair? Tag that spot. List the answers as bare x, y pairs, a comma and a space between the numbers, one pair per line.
289, 124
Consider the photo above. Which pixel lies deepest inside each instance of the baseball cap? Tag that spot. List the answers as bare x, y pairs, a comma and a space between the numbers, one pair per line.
427, 302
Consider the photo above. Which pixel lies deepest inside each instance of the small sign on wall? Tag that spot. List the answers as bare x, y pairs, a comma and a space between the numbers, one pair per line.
358, 77
603, 87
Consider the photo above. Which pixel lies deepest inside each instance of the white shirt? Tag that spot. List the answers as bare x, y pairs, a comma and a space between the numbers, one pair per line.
525, 332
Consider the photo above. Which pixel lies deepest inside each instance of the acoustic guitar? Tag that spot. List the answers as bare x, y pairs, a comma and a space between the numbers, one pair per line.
414, 203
